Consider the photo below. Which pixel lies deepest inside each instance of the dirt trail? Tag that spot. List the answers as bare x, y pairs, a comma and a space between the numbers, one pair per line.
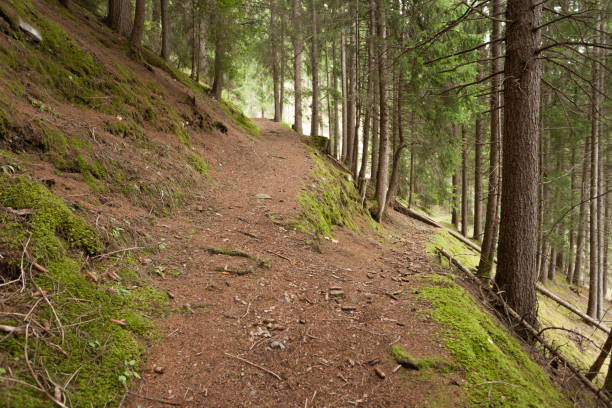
282, 318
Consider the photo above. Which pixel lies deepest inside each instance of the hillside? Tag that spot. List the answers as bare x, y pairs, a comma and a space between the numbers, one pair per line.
159, 248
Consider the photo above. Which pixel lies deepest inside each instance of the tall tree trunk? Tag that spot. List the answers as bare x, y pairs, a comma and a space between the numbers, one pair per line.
335, 87
478, 179
455, 193
217, 87
572, 232
138, 29
281, 95
67, 4
355, 108
464, 182
345, 126
582, 217
401, 142
195, 46
165, 52
314, 124
516, 271
120, 16
328, 97
490, 233
383, 159
350, 102
297, 70
593, 308
375, 103
274, 50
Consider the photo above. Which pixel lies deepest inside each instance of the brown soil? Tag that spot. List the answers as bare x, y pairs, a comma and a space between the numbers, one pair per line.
326, 349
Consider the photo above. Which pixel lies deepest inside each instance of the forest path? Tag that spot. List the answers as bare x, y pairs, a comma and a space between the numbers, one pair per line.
283, 318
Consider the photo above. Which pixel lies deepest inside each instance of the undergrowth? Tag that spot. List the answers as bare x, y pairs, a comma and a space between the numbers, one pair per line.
72, 339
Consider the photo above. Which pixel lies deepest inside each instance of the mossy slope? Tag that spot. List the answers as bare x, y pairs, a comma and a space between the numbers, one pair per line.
499, 371
76, 341
331, 200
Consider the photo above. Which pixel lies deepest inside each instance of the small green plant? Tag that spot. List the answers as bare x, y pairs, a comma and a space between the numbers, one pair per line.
128, 371
94, 344
159, 270
116, 232
162, 245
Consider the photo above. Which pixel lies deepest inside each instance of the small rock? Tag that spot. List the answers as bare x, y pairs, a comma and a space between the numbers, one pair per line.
302, 321
159, 370
277, 345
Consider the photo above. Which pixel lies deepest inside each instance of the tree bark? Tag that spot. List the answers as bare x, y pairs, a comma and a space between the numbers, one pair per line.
67, 4
464, 182
586, 165
517, 270
488, 249
165, 52
335, 87
572, 232
314, 124
297, 70
345, 126
354, 91
120, 16
593, 307
478, 179
275, 76
217, 87
383, 159
138, 29
455, 203
375, 102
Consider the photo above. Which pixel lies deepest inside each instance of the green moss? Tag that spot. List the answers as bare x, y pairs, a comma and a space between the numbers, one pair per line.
5, 123
183, 137
198, 163
330, 201
464, 254
240, 118
487, 352
50, 218
95, 349
124, 128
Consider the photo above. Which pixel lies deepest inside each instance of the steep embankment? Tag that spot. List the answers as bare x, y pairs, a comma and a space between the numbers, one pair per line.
138, 219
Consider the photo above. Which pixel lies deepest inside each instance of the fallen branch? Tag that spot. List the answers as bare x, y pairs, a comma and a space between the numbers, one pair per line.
572, 308
413, 214
236, 252
529, 328
273, 374
116, 252
423, 218
11, 329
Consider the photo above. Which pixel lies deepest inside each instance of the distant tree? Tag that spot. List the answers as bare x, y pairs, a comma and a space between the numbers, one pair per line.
383, 160
314, 59
297, 69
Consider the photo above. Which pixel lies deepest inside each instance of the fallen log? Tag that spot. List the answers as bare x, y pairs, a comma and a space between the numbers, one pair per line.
572, 308
589, 320
575, 370
423, 218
